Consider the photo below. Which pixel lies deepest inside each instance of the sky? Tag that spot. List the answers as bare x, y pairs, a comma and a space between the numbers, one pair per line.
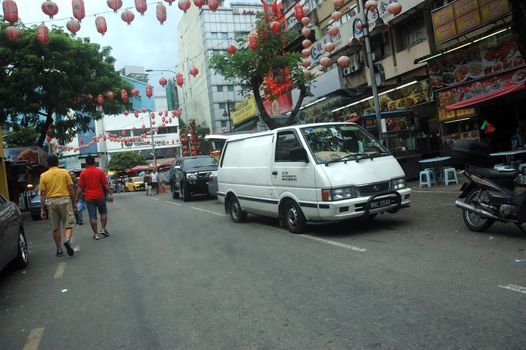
145, 42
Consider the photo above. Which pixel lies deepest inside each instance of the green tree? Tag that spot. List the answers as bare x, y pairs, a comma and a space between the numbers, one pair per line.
24, 136
122, 161
40, 81
253, 66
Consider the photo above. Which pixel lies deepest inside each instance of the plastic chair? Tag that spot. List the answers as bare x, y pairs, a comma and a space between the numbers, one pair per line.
449, 174
427, 178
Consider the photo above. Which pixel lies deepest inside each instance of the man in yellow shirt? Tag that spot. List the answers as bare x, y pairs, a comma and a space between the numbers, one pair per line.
57, 187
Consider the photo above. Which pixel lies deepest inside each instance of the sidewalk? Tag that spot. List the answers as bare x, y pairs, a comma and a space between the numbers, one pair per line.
440, 187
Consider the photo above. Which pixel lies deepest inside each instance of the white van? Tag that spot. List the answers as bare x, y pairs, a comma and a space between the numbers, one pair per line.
309, 173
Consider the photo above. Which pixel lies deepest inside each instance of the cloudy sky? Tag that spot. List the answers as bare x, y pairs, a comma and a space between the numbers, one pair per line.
144, 43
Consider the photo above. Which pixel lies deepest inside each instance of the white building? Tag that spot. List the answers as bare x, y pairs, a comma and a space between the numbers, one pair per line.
203, 33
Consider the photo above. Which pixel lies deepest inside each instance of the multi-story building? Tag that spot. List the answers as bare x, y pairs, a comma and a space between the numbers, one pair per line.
201, 34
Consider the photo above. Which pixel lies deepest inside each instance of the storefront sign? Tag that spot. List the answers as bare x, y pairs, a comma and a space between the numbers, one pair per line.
244, 110
30, 155
475, 62
460, 16
444, 115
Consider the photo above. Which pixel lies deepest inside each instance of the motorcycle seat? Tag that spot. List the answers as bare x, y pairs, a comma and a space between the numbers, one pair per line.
491, 173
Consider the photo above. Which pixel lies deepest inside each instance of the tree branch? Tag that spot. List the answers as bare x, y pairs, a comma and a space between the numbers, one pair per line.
292, 117
271, 123
43, 131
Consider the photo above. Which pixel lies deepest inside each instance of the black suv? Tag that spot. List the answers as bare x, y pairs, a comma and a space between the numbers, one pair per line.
189, 175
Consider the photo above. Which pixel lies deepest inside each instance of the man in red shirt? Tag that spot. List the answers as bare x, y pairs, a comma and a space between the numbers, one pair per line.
93, 183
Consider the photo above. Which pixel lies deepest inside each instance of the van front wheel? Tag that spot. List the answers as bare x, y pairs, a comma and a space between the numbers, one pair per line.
236, 213
294, 218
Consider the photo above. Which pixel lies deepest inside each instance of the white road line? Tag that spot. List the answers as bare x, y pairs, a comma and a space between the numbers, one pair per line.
337, 244
33, 341
208, 211
60, 270
514, 288
156, 199
174, 203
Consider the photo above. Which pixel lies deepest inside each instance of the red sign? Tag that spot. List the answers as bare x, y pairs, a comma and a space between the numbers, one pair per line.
278, 107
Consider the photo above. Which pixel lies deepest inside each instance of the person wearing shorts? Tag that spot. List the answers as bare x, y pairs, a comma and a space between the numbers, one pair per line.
93, 184
57, 187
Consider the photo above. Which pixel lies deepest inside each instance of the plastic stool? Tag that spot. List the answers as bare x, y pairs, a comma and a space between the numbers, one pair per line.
427, 178
449, 174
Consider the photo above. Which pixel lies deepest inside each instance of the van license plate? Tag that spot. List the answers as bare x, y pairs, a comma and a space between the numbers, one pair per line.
381, 203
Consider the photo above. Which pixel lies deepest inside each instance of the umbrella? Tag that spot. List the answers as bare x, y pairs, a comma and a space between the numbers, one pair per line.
137, 169
167, 164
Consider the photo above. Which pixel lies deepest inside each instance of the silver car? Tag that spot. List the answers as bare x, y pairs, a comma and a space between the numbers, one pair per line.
212, 184
13, 243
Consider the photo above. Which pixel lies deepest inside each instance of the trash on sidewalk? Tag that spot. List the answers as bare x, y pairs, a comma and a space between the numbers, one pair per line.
64, 290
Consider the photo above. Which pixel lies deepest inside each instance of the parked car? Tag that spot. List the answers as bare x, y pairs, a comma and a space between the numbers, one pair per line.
212, 184
34, 207
135, 183
307, 173
13, 243
190, 175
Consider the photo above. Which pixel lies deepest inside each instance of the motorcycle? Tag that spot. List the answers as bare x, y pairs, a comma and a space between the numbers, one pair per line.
490, 195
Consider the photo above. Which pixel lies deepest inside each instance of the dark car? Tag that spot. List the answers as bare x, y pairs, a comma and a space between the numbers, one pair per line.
13, 244
34, 207
190, 175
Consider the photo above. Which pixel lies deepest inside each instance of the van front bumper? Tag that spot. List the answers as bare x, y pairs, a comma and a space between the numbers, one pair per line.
352, 208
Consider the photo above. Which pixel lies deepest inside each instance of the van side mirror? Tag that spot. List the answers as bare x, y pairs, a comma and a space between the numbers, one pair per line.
299, 155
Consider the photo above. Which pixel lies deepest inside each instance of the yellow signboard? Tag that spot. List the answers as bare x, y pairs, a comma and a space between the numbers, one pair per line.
244, 110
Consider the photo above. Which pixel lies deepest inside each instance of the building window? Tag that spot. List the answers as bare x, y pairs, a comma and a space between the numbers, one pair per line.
230, 87
223, 123
219, 88
240, 36
224, 36
411, 33
222, 105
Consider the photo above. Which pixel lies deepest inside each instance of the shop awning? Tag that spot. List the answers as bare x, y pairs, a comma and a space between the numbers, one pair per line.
486, 97
386, 114
138, 168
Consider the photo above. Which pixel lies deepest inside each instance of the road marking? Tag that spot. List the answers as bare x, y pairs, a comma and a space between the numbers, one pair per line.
208, 211
156, 199
174, 203
337, 244
60, 270
33, 341
514, 288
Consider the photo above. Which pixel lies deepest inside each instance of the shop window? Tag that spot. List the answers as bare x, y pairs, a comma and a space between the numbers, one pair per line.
286, 141
411, 33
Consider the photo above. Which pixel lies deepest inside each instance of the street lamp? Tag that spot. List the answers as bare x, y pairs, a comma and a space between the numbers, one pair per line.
356, 45
226, 113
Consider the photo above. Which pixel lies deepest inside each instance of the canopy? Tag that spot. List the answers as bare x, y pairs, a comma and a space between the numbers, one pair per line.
138, 168
166, 164
485, 97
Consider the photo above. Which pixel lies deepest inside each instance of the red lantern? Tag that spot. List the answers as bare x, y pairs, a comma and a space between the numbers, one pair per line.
184, 5
78, 9
73, 26
344, 61
100, 23
160, 113
114, 4
306, 10
305, 21
126, 113
359, 25
298, 12
89, 98
135, 92
141, 6
10, 11
325, 62
123, 133
42, 33
124, 95
48, 139
49, 8
394, 8
371, 4
127, 16
275, 26
329, 47
152, 115
194, 71
160, 12
169, 2
213, 4
110, 95
199, 3
163, 81
306, 32
143, 109
231, 49
338, 3
149, 90
136, 114
253, 41
306, 63
13, 33
334, 31
306, 43
134, 128
179, 79
336, 15
166, 113
306, 52
100, 100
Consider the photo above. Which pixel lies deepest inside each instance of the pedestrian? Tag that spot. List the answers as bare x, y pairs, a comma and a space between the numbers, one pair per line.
80, 203
57, 187
147, 179
155, 181
93, 183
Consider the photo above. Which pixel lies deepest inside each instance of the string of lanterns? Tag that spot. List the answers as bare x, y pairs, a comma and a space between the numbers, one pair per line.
51, 9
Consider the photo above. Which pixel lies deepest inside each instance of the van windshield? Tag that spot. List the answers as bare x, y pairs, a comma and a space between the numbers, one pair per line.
339, 142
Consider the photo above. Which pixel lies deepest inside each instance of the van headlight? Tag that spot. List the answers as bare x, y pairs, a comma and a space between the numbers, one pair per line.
191, 176
338, 194
398, 184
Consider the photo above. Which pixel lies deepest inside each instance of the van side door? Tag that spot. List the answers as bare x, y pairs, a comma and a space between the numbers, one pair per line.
293, 177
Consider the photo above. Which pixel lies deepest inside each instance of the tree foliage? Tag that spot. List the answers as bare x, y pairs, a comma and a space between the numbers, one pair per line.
122, 161
252, 66
38, 81
24, 136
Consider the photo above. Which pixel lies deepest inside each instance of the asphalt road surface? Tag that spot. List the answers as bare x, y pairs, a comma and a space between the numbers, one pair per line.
176, 275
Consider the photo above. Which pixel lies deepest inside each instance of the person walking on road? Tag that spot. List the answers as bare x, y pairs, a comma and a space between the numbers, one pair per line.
155, 181
57, 187
80, 204
93, 184
148, 183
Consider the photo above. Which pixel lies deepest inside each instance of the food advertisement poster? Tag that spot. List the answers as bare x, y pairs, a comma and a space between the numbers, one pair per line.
278, 107
30, 155
244, 110
475, 62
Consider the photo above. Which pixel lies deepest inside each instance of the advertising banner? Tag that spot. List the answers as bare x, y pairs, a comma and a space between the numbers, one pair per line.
279, 106
244, 110
32, 155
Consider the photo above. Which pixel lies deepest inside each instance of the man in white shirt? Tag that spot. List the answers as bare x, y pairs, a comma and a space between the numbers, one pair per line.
155, 181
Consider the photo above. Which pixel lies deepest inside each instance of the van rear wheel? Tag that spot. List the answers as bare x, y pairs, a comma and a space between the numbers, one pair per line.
236, 213
294, 218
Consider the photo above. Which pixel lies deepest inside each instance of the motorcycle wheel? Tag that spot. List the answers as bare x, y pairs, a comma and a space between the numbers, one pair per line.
474, 221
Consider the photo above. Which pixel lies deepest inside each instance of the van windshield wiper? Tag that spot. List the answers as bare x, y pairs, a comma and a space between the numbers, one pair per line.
357, 157
341, 159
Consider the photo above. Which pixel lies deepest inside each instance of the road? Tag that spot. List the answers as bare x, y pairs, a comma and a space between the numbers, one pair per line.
177, 275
